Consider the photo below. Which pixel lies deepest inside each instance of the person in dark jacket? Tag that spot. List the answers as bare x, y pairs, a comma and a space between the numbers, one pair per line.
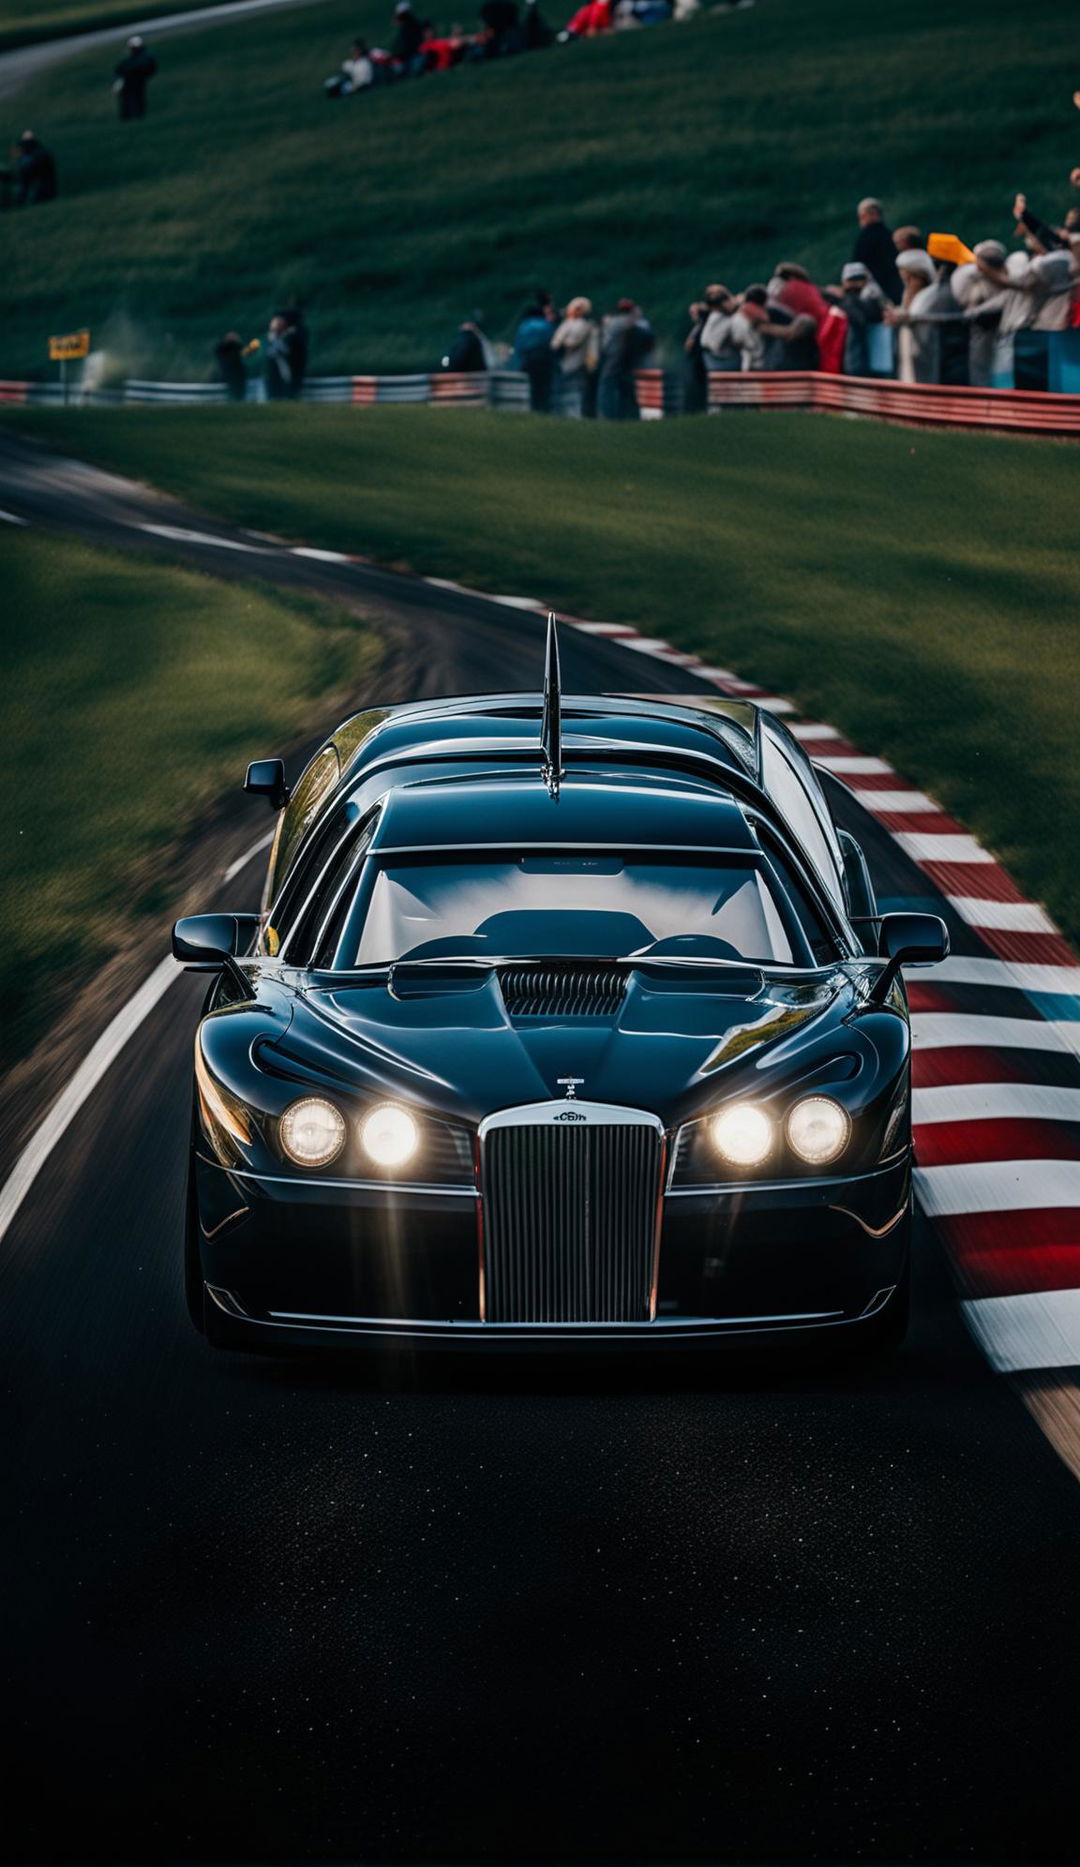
230, 354
470, 350
278, 364
532, 351
625, 343
34, 172
535, 31
874, 249
407, 40
501, 19
297, 340
133, 74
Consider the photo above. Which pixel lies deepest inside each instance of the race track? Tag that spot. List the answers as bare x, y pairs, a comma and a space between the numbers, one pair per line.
270, 1611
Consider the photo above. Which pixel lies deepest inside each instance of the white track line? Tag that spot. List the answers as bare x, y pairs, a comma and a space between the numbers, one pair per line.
949, 1030
12, 518
186, 537
321, 557
1007, 916
249, 855
998, 1186
1040, 1329
93, 1067
82, 1085
814, 732
960, 1102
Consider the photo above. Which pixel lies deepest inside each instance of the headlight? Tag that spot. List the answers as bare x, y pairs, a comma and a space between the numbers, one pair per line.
743, 1134
818, 1130
389, 1136
312, 1132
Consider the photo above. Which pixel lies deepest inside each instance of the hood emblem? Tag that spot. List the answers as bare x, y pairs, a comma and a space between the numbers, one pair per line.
571, 1084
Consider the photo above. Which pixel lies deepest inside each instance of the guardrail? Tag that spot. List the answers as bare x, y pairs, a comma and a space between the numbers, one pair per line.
659, 394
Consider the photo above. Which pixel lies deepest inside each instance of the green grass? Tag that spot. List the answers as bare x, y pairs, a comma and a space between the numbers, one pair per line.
647, 163
131, 696
917, 590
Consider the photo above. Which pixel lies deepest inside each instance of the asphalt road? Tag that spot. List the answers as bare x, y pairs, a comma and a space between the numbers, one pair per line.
19, 67
271, 1611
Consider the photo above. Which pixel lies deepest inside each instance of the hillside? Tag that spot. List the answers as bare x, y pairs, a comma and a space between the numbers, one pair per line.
646, 163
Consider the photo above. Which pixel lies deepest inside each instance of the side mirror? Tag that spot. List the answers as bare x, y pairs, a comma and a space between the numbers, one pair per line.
266, 778
908, 940
207, 942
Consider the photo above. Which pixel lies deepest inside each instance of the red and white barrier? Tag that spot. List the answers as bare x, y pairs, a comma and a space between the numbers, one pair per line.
927, 404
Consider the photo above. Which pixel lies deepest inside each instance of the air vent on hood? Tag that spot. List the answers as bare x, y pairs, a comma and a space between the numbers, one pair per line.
562, 991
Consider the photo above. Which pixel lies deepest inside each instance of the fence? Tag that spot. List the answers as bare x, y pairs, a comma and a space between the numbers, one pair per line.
659, 394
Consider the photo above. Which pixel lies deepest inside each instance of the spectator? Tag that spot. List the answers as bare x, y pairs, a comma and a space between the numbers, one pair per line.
133, 74
408, 38
532, 350
576, 345
501, 19
874, 247
278, 364
916, 271
356, 74
789, 338
1046, 237
908, 240
625, 342
536, 34
297, 340
793, 288
1036, 295
981, 301
231, 353
34, 172
594, 17
749, 313
719, 349
864, 304
933, 321
471, 350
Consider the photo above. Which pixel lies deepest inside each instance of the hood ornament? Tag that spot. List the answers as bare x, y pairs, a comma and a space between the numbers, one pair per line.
551, 769
570, 1084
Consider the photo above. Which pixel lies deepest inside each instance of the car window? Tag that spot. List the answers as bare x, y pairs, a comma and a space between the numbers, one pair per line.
323, 895
820, 940
786, 786
314, 784
573, 904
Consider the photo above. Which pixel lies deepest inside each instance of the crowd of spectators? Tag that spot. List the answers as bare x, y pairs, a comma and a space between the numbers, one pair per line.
417, 45
923, 310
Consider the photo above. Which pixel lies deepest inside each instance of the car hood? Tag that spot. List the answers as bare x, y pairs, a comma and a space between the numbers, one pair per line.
672, 1042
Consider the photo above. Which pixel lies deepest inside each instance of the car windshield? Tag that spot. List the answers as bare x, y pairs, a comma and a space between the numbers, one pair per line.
575, 905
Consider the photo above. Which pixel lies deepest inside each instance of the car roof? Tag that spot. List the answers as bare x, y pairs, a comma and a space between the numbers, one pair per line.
597, 809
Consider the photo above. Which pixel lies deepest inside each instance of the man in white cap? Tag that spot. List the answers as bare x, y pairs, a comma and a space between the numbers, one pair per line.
133, 74
862, 300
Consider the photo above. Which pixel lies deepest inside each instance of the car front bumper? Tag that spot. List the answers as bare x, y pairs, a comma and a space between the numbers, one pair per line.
312, 1263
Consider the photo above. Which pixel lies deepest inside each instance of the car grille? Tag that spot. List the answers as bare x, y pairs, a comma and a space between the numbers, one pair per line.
570, 1222
562, 992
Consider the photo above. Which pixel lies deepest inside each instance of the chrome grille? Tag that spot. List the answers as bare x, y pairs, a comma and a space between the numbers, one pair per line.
570, 1218
562, 991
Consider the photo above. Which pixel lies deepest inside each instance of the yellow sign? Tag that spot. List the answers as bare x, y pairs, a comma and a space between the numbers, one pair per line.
69, 349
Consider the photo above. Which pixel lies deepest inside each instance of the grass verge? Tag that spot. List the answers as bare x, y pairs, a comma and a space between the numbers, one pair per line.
918, 590
647, 162
132, 694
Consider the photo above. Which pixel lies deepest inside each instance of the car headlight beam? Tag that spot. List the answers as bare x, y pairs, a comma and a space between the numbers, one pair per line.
818, 1130
743, 1134
388, 1135
312, 1132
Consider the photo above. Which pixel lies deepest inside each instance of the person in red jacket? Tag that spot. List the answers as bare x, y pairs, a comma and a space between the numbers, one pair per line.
793, 288
595, 16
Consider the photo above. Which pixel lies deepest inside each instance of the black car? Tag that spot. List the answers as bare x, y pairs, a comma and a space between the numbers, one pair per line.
565, 1020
